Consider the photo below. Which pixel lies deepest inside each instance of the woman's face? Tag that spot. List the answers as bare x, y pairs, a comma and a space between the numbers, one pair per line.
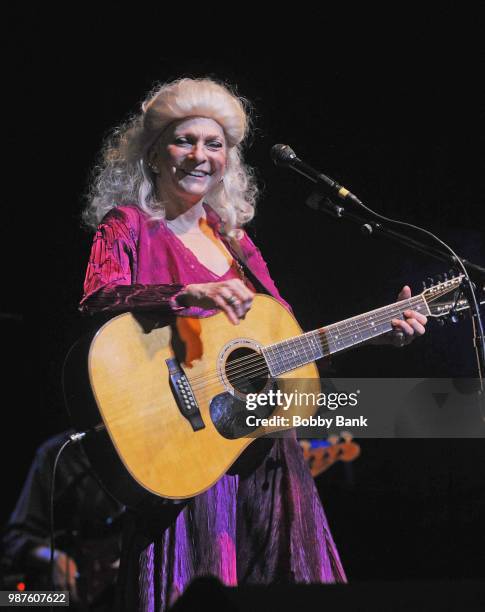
191, 159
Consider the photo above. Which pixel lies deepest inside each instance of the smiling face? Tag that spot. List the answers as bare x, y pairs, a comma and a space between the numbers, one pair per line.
191, 159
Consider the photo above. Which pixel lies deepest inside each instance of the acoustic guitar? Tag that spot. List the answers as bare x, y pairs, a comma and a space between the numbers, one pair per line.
169, 400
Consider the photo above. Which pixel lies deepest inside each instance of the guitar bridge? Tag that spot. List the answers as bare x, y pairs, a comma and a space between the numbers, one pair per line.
183, 395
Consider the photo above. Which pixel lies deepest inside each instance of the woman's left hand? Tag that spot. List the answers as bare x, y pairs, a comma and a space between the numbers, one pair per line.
407, 329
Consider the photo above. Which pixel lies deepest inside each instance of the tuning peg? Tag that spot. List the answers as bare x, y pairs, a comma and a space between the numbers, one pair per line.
445, 276
440, 322
430, 280
439, 279
454, 316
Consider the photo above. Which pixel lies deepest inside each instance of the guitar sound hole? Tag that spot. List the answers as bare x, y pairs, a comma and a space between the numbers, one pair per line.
246, 370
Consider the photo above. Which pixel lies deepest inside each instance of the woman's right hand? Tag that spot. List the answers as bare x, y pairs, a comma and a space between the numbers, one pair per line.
231, 296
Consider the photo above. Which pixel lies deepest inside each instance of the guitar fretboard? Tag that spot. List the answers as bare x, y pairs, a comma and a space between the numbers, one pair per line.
300, 350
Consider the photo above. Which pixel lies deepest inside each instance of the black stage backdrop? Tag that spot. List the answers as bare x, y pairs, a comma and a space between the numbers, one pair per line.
400, 124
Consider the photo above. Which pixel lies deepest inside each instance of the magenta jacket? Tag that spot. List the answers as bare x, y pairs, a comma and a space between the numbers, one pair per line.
136, 263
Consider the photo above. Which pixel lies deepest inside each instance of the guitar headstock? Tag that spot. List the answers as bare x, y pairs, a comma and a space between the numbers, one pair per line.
444, 298
442, 294
441, 286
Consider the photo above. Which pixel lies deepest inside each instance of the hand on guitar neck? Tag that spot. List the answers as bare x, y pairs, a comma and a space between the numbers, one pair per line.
404, 330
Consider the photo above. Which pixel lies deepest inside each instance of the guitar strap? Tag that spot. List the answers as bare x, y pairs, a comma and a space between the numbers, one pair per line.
236, 251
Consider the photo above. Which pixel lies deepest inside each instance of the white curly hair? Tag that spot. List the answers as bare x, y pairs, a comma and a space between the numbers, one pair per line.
123, 175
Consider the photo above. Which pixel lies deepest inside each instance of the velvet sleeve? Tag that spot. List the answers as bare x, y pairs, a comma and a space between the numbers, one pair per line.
110, 284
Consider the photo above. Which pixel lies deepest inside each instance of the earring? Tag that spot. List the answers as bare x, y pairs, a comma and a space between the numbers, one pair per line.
154, 169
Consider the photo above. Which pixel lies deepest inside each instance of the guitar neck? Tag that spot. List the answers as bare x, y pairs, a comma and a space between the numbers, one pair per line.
300, 350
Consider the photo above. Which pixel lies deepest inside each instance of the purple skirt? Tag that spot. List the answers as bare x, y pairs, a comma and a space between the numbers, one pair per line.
263, 524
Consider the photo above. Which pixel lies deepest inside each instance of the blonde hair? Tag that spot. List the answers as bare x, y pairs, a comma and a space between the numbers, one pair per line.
123, 177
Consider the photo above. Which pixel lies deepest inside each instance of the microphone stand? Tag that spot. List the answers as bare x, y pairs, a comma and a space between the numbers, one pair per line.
370, 228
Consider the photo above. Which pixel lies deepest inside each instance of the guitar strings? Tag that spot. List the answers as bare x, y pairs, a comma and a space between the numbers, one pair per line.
342, 337
238, 373
416, 301
255, 366
241, 367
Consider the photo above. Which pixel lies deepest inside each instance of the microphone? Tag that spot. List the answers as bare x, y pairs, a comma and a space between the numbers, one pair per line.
284, 156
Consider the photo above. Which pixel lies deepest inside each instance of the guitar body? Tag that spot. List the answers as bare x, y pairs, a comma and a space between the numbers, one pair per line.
152, 444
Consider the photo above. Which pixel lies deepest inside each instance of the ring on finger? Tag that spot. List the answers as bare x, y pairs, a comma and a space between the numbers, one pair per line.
232, 300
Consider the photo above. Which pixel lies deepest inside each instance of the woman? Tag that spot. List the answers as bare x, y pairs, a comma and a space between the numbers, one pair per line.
176, 194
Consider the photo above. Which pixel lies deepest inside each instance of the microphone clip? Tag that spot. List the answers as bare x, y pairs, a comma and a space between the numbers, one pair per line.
317, 201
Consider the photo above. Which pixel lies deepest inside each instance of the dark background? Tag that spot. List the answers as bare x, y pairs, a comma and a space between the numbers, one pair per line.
399, 122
